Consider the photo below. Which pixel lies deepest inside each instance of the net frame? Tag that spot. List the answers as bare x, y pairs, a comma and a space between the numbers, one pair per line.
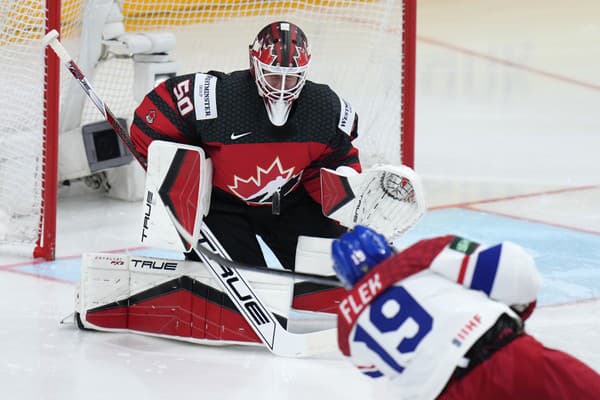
65, 20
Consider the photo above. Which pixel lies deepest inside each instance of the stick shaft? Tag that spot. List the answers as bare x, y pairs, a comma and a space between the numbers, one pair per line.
51, 39
267, 327
320, 279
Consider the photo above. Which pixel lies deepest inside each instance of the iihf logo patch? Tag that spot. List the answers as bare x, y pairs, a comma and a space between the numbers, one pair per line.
472, 325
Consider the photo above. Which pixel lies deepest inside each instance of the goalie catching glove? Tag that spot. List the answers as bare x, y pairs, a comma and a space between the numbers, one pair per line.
386, 198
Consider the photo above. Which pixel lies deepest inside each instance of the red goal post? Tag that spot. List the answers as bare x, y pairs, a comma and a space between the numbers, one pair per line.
364, 49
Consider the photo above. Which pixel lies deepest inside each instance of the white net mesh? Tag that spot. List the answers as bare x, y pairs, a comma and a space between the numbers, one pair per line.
21, 119
356, 46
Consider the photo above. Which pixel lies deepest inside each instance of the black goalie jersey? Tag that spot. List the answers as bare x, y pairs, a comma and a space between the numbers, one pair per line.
253, 160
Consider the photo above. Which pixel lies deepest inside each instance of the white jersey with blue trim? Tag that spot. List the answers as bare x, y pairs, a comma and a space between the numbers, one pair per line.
414, 316
418, 330
505, 271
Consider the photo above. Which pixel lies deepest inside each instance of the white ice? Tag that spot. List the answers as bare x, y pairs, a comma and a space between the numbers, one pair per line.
507, 141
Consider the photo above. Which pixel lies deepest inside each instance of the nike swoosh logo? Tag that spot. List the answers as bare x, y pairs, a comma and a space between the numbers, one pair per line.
235, 136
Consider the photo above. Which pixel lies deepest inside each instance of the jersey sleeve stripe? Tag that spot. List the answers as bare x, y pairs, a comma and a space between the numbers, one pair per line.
315, 167
486, 268
333, 159
463, 269
140, 125
168, 111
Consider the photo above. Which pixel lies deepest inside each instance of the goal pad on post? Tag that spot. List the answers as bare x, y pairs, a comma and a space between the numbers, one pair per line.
363, 49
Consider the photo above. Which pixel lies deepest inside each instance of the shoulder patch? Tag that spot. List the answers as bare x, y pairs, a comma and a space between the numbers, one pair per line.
205, 96
463, 245
347, 116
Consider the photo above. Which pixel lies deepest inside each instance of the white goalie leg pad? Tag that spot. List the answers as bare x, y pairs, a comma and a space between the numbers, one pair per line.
313, 256
104, 280
109, 281
124, 292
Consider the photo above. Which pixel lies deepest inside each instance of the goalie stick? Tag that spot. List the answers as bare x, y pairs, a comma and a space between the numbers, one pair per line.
314, 278
51, 39
266, 326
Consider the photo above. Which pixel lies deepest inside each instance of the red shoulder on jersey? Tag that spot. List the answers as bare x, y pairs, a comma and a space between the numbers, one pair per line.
158, 118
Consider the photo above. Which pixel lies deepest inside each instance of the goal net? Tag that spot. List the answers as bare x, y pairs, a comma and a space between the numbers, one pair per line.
363, 49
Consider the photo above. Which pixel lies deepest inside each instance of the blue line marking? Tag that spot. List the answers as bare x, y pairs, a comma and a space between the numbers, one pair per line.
568, 260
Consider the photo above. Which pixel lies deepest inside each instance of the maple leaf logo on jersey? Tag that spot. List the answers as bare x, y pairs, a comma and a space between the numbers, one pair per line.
259, 189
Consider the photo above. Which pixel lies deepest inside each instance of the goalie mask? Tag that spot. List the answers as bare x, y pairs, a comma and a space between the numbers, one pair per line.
279, 59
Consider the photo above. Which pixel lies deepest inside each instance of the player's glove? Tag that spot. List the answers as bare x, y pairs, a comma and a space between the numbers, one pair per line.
356, 252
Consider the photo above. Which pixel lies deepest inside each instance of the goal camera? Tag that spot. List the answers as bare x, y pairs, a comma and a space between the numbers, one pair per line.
103, 147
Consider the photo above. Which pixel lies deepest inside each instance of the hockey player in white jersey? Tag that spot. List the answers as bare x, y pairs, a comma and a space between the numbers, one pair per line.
445, 319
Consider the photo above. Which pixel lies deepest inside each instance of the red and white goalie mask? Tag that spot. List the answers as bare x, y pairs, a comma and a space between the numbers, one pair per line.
279, 59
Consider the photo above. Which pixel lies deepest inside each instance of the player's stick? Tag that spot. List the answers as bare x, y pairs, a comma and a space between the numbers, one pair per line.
267, 327
314, 278
264, 323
